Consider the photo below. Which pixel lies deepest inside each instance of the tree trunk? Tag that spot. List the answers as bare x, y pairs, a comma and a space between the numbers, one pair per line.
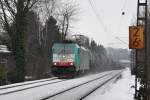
18, 43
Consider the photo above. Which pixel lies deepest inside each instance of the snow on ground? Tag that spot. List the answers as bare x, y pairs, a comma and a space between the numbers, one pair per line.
47, 90
121, 90
78, 92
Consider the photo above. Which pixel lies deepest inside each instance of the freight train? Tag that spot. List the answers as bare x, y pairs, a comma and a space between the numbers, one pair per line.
69, 60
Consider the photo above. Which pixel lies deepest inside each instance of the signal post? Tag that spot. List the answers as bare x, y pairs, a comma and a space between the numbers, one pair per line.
138, 41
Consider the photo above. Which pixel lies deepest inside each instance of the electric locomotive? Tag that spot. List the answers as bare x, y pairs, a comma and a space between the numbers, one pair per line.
69, 59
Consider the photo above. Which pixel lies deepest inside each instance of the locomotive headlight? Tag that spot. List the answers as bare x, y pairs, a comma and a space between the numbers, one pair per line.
71, 63
55, 63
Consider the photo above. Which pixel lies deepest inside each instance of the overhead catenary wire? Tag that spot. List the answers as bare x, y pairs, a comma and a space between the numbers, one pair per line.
98, 16
121, 40
121, 16
120, 22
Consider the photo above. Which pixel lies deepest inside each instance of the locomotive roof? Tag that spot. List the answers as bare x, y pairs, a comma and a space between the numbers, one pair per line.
66, 44
69, 45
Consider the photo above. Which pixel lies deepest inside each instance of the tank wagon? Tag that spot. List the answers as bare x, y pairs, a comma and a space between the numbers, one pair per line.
69, 60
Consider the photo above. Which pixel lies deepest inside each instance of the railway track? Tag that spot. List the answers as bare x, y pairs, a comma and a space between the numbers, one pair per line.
27, 85
63, 94
96, 88
55, 89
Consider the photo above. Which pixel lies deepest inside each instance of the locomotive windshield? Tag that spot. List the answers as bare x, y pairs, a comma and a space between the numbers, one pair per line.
63, 53
63, 50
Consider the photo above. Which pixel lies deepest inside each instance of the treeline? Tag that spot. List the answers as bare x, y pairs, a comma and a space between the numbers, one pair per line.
118, 54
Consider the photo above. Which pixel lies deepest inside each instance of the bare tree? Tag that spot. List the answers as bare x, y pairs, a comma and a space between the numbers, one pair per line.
13, 17
64, 12
68, 15
45, 10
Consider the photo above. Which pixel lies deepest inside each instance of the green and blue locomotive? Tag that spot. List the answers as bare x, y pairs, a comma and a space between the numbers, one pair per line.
69, 59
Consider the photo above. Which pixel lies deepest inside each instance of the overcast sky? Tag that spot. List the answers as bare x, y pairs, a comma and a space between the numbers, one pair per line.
110, 25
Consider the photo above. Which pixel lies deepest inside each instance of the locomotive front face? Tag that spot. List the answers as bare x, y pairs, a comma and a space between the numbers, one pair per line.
69, 59
63, 56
